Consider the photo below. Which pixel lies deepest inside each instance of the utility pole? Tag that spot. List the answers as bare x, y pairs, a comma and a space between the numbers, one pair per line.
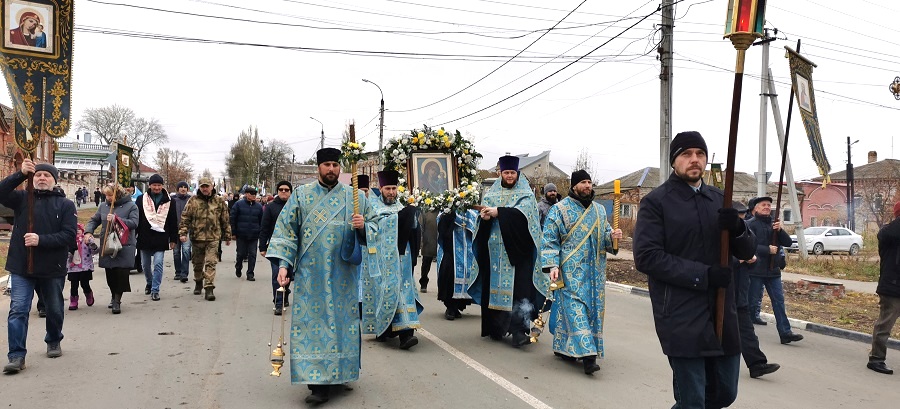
293, 158
763, 117
665, 89
381, 127
850, 212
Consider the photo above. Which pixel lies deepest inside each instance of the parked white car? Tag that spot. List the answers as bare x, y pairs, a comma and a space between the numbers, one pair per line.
827, 239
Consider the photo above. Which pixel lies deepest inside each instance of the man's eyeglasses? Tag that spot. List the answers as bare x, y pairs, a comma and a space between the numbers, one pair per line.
284, 189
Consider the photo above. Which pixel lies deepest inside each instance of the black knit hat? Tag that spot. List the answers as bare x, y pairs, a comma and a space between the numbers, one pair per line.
388, 178
182, 184
156, 178
578, 176
684, 141
284, 183
362, 181
327, 155
46, 167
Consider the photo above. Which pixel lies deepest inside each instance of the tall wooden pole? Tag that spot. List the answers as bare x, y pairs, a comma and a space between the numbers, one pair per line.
29, 267
784, 156
741, 43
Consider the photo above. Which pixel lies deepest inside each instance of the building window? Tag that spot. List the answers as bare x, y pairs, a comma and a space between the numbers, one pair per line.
627, 210
787, 216
813, 221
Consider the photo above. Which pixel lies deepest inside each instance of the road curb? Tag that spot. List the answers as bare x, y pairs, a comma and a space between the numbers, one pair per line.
795, 323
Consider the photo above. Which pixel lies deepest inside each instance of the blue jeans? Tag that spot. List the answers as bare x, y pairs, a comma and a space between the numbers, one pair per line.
21, 296
276, 296
705, 383
181, 255
153, 272
776, 295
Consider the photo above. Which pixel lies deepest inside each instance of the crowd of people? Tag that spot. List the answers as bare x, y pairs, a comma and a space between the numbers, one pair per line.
347, 262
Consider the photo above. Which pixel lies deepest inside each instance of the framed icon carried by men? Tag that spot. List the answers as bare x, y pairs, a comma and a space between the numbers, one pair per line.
432, 171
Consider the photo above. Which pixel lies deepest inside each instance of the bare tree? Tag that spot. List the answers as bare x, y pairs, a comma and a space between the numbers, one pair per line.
143, 133
109, 123
174, 166
276, 155
206, 173
584, 161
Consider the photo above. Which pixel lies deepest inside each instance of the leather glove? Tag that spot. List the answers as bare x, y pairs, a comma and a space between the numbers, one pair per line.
729, 220
718, 277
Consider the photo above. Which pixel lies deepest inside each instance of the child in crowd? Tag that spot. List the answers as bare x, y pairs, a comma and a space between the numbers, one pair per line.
81, 268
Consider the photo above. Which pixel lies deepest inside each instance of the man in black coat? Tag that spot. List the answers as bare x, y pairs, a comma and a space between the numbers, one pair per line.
754, 358
157, 232
246, 217
888, 291
52, 238
270, 216
677, 244
766, 273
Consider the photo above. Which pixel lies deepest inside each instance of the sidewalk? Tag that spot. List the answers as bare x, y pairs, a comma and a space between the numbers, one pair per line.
850, 285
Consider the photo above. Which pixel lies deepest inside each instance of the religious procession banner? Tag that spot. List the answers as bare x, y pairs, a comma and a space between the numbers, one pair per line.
802, 82
124, 155
36, 60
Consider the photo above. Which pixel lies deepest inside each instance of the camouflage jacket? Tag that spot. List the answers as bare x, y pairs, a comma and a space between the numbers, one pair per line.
205, 218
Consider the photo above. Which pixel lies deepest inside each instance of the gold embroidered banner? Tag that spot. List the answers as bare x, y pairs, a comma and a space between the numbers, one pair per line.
123, 164
802, 82
36, 60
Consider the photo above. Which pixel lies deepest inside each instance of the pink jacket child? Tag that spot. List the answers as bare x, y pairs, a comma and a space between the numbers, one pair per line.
81, 268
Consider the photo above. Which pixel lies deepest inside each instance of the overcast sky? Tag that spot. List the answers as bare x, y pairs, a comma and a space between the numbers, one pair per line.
308, 59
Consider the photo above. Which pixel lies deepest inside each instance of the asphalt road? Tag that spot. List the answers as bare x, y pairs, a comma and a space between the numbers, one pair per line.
187, 352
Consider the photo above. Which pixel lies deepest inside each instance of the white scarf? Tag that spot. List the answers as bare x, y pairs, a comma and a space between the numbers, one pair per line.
156, 217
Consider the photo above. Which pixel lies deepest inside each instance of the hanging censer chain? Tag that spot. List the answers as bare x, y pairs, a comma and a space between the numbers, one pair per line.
538, 323
277, 354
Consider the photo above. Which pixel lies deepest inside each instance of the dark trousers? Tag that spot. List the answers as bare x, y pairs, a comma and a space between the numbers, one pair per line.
426, 268
889, 311
705, 383
85, 285
246, 249
749, 342
276, 295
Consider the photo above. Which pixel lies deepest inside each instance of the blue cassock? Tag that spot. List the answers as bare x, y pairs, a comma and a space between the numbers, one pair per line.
465, 266
503, 273
314, 236
576, 240
389, 292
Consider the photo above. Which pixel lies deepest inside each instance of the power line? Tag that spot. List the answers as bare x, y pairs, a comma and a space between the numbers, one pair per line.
501, 65
555, 72
536, 68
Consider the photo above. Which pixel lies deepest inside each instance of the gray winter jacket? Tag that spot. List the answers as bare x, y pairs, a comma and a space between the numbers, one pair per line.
126, 210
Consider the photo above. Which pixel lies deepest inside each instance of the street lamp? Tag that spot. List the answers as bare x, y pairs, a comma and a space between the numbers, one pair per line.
381, 112
850, 190
322, 143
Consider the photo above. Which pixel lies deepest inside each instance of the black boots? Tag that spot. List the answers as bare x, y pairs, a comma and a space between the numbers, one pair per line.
117, 303
209, 294
408, 339
15, 365
198, 285
319, 394
590, 364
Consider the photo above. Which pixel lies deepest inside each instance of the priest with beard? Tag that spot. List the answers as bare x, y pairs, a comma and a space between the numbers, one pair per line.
576, 238
507, 241
390, 304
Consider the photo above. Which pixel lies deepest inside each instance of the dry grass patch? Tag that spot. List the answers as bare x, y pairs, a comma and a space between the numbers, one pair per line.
857, 268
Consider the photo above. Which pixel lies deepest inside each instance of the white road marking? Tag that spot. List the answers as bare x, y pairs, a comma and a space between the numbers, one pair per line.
499, 380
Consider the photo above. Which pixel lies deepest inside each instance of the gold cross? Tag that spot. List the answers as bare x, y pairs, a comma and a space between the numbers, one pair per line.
321, 216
